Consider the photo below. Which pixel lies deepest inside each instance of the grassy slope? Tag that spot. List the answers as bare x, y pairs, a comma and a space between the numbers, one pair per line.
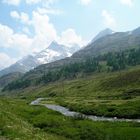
15, 125
107, 94
20, 121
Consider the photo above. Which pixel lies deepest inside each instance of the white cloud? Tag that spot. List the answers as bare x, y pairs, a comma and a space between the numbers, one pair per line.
6, 60
12, 2
45, 6
47, 10
44, 34
5, 35
17, 2
44, 30
69, 37
127, 2
85, 2
108, 19
26, 30
20, 42
23, 17
32, 1
45, 2
15, 14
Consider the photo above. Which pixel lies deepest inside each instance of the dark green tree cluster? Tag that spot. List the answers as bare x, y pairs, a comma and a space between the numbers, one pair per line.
134, 57
18, 84
114, 61
71, 71
120, 60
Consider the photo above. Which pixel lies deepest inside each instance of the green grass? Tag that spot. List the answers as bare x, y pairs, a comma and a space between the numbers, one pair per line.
18, 120
104, 94
14, 122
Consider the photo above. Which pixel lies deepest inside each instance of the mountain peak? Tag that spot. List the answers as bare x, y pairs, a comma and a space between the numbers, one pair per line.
53, 43
56, 46
107, 30
136, 31
103, 33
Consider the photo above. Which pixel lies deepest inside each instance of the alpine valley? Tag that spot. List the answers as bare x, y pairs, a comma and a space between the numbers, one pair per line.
73, 93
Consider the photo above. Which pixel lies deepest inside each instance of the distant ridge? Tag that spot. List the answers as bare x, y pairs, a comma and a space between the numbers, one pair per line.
54, 52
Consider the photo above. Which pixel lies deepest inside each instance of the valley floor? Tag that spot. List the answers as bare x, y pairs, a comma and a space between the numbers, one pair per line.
106, 94
21, 121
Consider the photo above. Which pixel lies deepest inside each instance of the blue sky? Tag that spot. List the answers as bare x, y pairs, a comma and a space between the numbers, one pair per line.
28, 26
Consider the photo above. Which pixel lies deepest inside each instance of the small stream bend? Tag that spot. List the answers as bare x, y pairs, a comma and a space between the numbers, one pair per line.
66, 112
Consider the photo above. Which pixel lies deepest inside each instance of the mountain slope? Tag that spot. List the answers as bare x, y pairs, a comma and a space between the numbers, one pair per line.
114, 42
110, 62
6, 79
103, 33
121, 43
136, 31
22, 66
54, 52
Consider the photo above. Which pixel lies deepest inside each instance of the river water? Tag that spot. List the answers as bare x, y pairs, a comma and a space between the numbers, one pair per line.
65, 111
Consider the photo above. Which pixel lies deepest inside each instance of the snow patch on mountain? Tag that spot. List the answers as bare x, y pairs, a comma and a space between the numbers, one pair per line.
52, 53
47, 56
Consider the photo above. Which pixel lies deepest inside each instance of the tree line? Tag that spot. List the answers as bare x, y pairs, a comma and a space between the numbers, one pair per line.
112, 61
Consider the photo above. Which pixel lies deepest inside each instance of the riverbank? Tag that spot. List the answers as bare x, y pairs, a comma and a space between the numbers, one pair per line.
19, 120
66, 112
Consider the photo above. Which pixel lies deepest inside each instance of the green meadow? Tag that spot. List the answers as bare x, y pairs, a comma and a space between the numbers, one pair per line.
115, 94
21, 121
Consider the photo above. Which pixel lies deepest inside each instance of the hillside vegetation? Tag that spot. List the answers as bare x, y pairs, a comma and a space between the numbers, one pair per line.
112, 61
105, 85
19, 120
110, 43
104, 94
15, 124
108, 85
6, 79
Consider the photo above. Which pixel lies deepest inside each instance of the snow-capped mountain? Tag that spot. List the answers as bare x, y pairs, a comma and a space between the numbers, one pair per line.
52, 53
55, 52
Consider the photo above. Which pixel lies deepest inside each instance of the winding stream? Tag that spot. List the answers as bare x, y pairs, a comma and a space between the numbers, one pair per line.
65, 111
